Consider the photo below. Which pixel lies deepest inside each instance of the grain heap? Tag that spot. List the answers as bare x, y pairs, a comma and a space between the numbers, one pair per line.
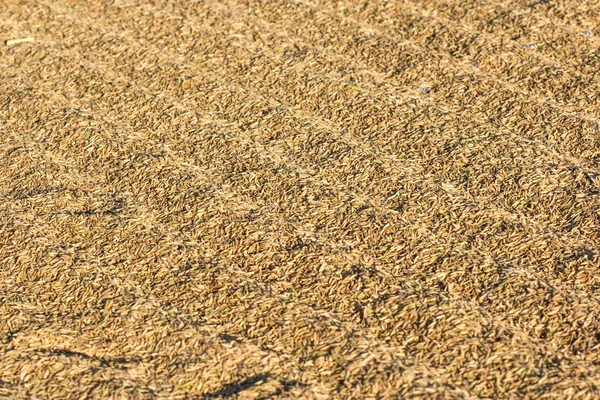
315, 199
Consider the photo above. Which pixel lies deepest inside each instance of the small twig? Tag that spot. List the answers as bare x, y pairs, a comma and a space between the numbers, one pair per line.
17, 41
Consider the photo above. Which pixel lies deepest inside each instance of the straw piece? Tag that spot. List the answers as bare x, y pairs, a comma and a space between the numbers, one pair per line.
17, 41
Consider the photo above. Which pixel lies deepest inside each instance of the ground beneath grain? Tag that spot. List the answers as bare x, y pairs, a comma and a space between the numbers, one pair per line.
300, 199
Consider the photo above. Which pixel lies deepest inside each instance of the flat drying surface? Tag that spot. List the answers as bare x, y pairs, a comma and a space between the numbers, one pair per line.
299, 199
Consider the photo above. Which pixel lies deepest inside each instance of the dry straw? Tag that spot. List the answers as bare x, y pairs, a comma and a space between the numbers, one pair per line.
17, 41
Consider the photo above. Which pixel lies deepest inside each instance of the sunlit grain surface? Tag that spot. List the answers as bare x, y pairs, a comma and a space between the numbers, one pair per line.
299, 199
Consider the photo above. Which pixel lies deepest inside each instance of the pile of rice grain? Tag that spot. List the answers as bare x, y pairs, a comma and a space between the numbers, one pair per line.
299, 199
